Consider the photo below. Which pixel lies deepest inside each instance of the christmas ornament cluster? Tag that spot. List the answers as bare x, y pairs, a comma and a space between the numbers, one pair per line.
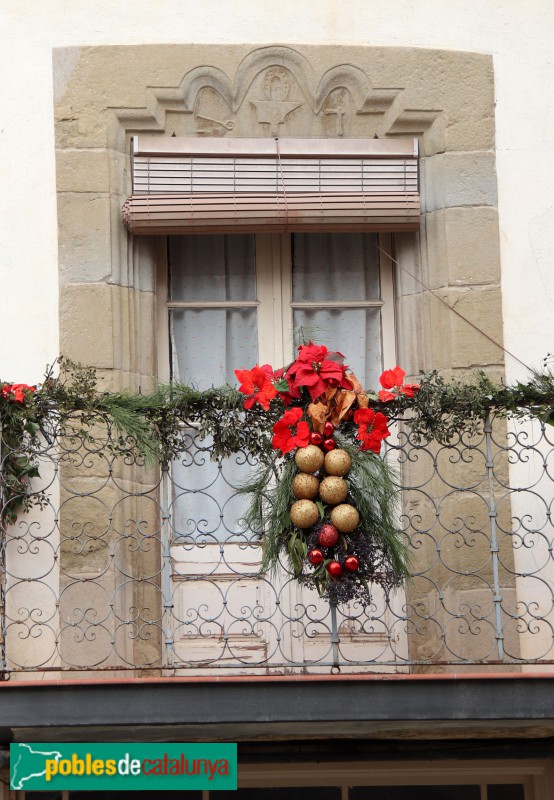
331, 514
323, 476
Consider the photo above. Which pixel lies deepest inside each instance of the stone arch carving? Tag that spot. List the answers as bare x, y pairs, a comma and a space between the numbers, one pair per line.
340, 103
198, 78
344, 76
343, 101
266, 57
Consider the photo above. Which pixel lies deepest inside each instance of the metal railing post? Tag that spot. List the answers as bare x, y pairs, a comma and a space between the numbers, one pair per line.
3, 655
335, 638
168, 656
497, 596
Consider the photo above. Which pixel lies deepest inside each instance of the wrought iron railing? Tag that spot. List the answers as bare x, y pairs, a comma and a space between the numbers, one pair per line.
114, 566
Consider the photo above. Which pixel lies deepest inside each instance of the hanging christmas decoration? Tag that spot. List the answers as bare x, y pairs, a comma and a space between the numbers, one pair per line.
326, 500
337, 462
328, 535
305, 486
345, 518
309, 459
304, 514
333, 490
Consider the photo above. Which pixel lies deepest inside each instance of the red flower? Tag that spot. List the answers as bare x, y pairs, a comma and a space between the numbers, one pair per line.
385, 397
284, 438
288, 395
316, 368
393, 379
16, 391
372, 429
256, 383
409, 389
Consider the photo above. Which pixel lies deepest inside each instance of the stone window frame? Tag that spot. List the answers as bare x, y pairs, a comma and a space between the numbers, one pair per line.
104, 95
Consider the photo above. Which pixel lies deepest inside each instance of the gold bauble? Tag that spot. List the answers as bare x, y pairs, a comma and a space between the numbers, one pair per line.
304, 513
333, 490
305, 487
337, 462
309, 459
345, 518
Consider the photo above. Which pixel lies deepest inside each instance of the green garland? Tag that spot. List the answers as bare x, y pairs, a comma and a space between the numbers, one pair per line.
443, 411
151, 425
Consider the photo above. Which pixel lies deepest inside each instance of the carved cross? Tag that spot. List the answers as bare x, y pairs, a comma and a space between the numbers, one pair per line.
340, 112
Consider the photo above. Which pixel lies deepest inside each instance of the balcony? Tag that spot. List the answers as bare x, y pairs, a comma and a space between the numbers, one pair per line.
120, 570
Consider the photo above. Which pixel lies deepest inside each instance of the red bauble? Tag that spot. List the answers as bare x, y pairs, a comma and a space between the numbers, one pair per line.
351, 563
315, 556
328, 429
334, 569
328, 536
329, 444
316, 438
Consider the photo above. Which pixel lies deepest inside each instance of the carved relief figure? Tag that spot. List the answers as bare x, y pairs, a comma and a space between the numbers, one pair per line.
337, 113
275, 108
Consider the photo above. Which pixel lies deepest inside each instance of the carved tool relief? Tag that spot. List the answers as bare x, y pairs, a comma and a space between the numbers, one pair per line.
212, 115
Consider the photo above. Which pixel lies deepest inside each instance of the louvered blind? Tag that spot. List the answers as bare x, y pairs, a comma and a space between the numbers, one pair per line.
233, 185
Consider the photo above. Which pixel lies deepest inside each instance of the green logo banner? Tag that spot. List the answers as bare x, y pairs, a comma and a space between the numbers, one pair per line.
112, 766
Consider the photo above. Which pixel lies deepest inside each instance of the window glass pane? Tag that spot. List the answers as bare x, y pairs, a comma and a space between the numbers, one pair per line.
335, 266
147, 795
43, 796
207, 268
207, 345
282, 793
414, 793
505, 791
356, 332
206, 507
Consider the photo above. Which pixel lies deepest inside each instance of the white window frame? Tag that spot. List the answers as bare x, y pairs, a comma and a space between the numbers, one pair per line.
275, 306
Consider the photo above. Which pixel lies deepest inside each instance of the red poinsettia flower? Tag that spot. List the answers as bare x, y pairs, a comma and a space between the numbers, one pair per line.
285, 438
394, 379
288, 395
316, 368
16, 391
256, 383
372, 429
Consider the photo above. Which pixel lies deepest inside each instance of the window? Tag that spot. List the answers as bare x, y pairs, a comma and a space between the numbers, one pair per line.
235, 299
231, 301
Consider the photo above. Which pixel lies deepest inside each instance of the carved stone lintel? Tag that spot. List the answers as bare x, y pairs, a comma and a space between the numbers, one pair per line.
275, 91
